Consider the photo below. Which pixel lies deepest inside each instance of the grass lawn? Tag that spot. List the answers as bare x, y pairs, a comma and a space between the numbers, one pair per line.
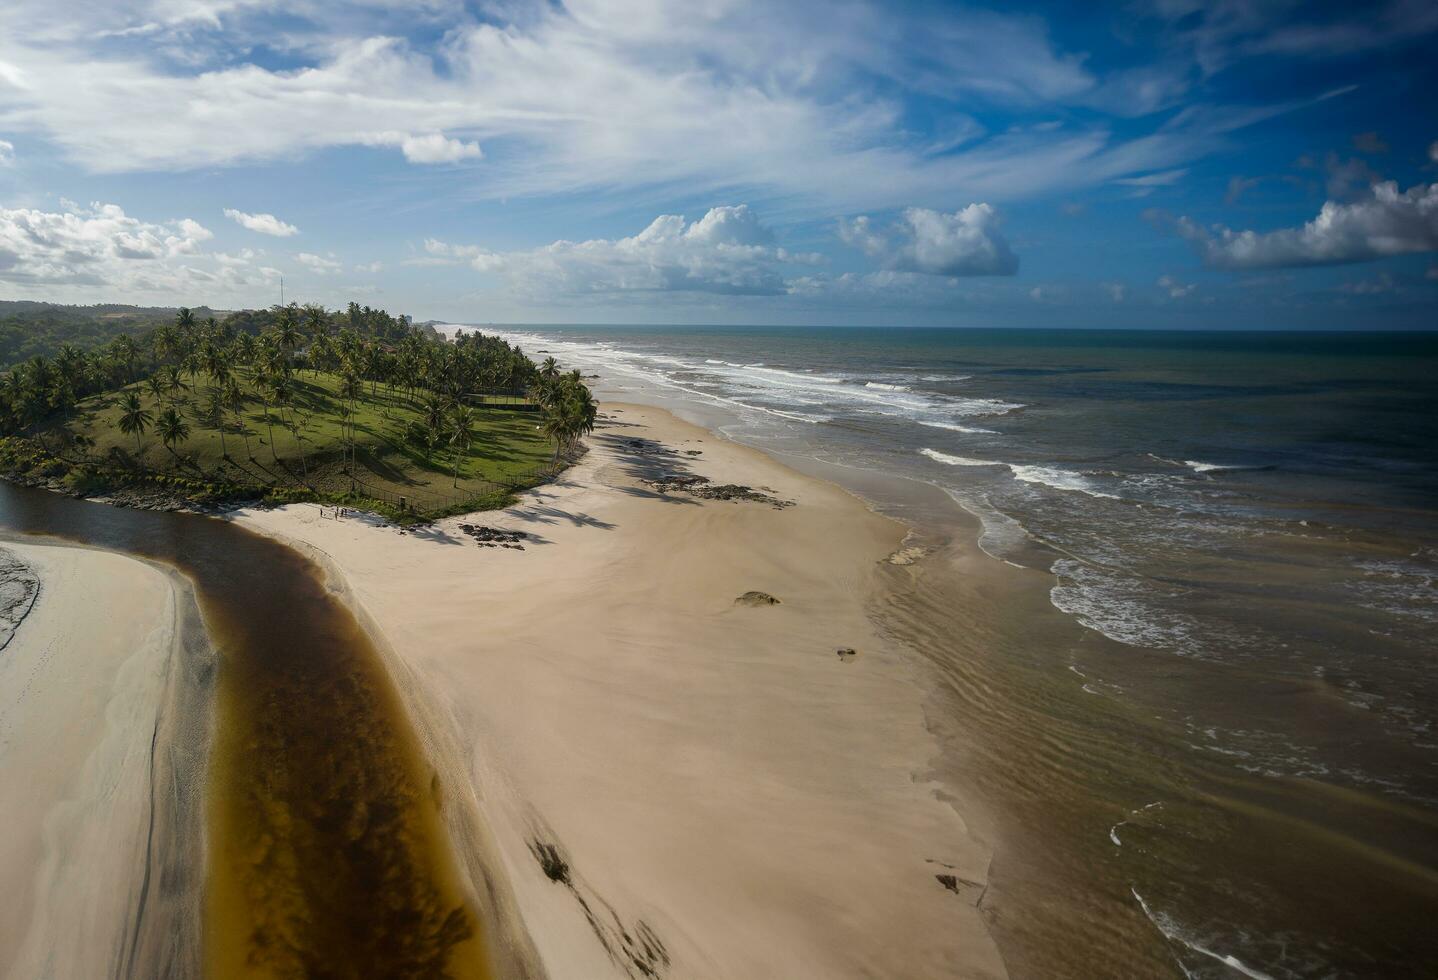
506, 451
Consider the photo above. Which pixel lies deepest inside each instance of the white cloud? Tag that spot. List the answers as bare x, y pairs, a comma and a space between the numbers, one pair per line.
265, 224
727, 251
437, 148
965, 243
318, 263
7, 153
1174, 288
595, 94
1164, 178
370, 268
1384, 223
1116, 291
1433, 152
95, 253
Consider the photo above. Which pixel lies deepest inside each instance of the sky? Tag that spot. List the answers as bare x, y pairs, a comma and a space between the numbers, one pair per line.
1158, 163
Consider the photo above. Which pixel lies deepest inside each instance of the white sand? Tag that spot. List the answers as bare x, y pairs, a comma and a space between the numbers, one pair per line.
717, 779
81, 686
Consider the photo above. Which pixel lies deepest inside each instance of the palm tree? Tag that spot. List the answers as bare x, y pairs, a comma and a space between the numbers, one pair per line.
350, 389
172, 428
124, 350
155, 385
133, 417
264, 383
235, 399
461, 434
434, 411
549, 370
174, 381
215, 411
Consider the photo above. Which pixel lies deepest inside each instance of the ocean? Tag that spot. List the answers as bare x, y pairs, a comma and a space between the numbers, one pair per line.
1244, 526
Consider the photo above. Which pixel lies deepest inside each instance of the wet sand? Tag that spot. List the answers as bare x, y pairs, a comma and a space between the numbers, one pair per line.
675, 784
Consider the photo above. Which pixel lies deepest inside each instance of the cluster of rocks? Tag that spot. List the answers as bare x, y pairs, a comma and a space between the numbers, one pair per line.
19, 586
756, 599
494, 537
699, 486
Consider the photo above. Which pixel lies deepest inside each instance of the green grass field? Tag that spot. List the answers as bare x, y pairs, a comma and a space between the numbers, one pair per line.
506, 451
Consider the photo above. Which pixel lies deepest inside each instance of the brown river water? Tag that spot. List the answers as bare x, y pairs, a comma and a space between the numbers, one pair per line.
326, 856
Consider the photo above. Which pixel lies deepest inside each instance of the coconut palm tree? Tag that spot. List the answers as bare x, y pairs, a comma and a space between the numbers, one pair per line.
134, 419
172, 428
215, 411
549, 370
155, 385
461, 434
175, 382
235, 400
351, 388
124, 350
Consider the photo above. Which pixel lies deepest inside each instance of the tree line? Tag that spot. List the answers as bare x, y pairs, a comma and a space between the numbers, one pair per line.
362, 347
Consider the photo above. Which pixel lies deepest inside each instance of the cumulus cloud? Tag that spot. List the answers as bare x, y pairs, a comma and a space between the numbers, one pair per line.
727, 251
965, 243
318, 263
1174, 288
369, 268
7, 153
100, 252
265, 224
1116, 291
437, 148
1384, 223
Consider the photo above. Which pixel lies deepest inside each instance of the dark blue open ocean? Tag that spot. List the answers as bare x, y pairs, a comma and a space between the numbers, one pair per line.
1262, 506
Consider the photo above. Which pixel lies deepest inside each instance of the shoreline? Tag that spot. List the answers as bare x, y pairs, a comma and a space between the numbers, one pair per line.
671, 781
102, 860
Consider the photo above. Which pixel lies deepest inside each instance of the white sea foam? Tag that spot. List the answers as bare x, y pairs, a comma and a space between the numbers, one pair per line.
1198, 466
949, 460
883, 386
955, 427
1001, 536
1058, 479
1172, 932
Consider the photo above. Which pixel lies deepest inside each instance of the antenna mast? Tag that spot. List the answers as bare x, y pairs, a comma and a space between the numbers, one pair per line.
282, 290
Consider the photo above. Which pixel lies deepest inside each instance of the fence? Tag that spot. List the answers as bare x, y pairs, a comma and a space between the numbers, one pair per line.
513, 399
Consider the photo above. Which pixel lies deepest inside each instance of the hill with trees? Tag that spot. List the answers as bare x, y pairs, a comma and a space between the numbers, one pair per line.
292, 403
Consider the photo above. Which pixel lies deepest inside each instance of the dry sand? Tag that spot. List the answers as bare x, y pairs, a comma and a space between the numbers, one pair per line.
84, 681
728, 796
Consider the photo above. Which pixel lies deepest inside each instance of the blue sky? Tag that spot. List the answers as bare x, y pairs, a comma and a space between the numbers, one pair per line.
1179, 163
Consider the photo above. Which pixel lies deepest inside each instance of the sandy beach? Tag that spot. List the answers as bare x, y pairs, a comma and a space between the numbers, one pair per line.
85, 693
675, 784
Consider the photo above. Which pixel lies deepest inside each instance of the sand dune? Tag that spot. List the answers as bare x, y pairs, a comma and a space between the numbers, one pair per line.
676, 785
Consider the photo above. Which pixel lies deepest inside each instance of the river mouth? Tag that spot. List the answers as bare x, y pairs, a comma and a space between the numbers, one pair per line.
325, 853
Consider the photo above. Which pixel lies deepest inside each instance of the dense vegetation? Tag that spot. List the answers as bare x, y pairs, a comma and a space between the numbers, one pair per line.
28, 329
294, 403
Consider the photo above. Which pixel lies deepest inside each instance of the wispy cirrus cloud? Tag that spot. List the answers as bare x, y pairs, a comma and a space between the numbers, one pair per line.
596, 94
